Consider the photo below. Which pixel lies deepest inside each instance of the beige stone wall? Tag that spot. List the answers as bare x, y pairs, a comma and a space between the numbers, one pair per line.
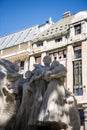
84, 66
32, 61
10, 50
24, 46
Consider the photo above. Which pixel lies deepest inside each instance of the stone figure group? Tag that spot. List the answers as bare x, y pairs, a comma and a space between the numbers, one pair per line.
38, 101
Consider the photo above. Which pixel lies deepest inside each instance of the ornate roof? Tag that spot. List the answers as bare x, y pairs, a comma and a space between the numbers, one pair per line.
55, 30
61, 27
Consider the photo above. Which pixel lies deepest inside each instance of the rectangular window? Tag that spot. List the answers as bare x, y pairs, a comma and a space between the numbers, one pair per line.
58, 54
81, 113
22, 65
39, 44
58, 39
55, 55
77, 29
62, 54
77, 77
77, 53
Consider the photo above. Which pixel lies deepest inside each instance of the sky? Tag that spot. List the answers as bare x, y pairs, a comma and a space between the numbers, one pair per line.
16, 15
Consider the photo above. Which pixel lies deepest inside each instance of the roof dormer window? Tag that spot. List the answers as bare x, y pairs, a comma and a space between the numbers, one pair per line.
40, 44
58, 39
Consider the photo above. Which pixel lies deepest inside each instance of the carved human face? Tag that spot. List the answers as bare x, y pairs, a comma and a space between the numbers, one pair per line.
8, 98
47, 60
54, 64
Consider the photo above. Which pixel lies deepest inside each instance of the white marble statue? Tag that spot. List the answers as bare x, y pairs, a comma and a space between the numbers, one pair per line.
40, 101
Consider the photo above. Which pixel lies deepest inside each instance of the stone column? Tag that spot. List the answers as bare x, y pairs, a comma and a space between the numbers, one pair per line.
84, 27
52, 58
32, 61
26, 65
42, 56
72, 32
70, 68
85, 115
84, 65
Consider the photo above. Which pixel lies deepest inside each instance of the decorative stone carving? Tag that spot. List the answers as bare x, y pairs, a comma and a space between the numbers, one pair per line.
9, 102
40, 101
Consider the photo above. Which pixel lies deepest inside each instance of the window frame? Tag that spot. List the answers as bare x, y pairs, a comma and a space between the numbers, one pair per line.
22, 64
59, 39
77, 78
77, 29
77, 52
39, 44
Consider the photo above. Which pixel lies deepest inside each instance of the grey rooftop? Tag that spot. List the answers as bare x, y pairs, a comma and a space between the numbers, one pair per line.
35, 34
19, 37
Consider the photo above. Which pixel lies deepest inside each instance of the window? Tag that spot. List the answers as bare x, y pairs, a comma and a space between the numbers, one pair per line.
77, 29
77, 77
77, 52
58, 39
55, 54
58, 54
40, 44
22, 64
62, 54
81, 113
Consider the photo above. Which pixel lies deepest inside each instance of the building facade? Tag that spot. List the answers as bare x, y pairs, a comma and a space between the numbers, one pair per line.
65, 41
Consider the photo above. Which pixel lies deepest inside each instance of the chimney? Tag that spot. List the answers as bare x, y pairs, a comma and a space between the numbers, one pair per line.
49, 21
66, 14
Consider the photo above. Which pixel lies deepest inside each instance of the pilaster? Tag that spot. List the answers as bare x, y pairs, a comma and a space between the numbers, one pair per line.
70, 68
84, 66
26, 65
32, 61
85, 115
42, 56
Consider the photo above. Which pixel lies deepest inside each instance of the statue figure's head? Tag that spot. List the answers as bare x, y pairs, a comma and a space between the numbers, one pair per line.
47, 60
28, 74
54, 64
